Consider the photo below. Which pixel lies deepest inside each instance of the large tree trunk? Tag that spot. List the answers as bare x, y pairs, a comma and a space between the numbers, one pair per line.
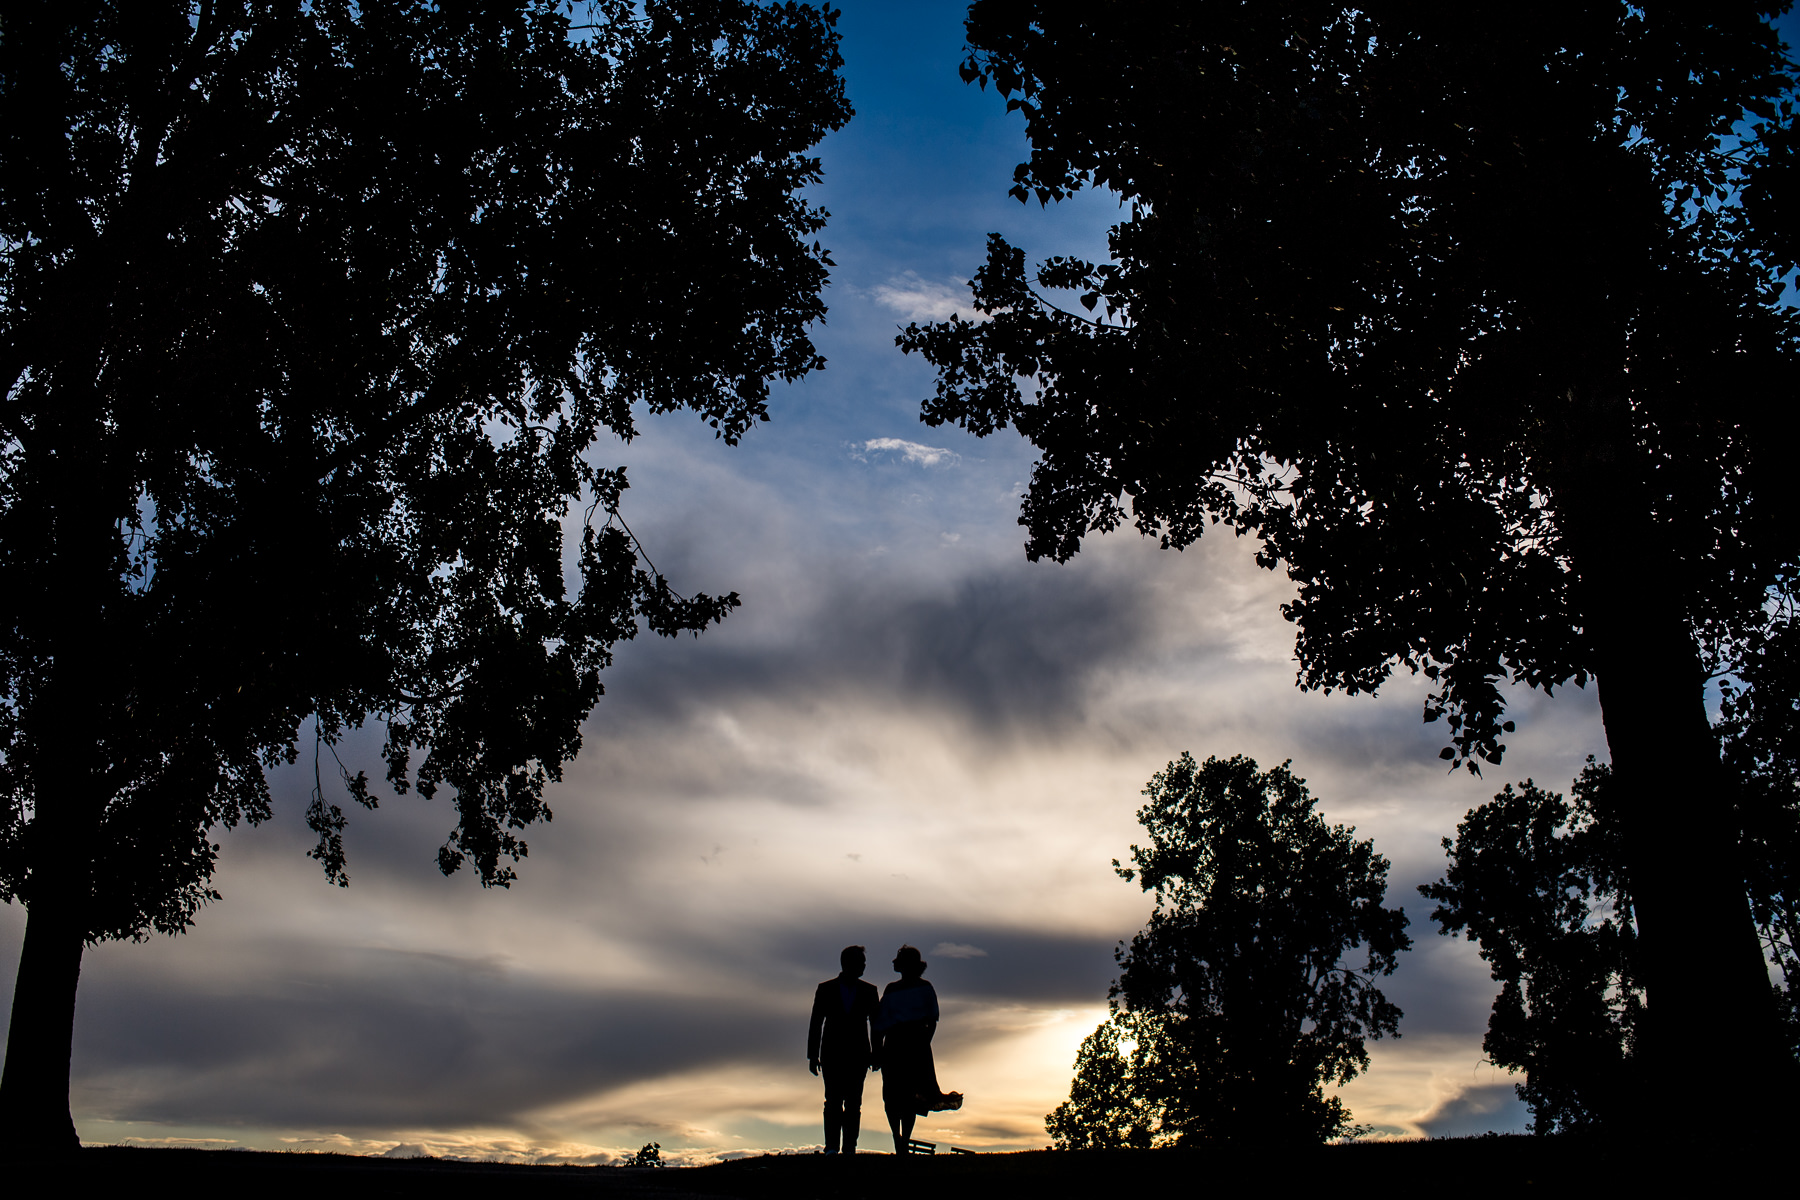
1712, 1040
34, 1094
63, 748
1713, 1035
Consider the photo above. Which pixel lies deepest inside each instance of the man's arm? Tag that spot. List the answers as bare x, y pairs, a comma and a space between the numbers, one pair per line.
872, 1006
814, 1028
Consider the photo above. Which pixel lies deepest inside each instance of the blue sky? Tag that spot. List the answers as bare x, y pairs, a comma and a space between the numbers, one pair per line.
907, 733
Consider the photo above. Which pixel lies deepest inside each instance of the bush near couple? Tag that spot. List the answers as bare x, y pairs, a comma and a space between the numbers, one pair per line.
851, 1032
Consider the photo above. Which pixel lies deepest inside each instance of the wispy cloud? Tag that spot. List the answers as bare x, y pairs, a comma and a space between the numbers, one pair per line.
918, 299
912, 452
958, 950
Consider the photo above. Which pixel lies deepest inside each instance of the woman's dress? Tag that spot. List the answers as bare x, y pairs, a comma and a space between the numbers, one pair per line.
908, 1073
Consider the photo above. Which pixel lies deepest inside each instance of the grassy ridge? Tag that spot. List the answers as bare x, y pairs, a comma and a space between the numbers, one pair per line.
1458, 1166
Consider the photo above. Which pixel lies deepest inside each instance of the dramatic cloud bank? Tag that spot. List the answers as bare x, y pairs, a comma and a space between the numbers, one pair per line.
947, 755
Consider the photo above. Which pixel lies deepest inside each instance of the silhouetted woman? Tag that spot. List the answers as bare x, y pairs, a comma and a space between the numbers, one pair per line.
903, 1029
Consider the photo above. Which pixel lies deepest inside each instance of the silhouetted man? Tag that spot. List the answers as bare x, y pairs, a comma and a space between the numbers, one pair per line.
837, 1039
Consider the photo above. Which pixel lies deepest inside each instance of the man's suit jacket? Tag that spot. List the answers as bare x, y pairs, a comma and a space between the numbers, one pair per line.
838, 1035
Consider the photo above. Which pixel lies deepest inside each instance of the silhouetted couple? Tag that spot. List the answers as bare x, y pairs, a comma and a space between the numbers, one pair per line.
851, 1031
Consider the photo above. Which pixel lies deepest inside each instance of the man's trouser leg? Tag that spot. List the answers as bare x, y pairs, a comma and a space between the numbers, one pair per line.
844, 1089
852, 1123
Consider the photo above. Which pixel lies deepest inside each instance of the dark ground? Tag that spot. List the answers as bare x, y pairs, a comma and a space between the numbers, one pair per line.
1458, 1166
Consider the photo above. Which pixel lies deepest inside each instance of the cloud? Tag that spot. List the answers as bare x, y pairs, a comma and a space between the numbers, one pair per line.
912, 452
385, 1047
1492, 1107
1005, 650
957, 950
978, 740
973, 726
917, 299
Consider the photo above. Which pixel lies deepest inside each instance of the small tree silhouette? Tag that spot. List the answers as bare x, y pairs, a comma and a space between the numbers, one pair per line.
649, 1156
1233, 1007
1539, 883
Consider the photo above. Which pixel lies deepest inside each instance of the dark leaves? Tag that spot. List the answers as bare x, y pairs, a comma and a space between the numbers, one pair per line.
1389, 278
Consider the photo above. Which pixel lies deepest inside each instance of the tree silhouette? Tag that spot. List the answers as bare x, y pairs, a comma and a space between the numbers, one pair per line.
311, 314
1540, 884
1235, 997
1473, 320
1130, 1074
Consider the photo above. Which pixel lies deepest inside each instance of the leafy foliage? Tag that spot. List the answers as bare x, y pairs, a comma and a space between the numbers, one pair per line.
1235, 997
311, 315
1760, 727
1402, 285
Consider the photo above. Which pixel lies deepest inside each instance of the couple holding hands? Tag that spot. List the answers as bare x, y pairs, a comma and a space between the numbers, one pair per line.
851, 1032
